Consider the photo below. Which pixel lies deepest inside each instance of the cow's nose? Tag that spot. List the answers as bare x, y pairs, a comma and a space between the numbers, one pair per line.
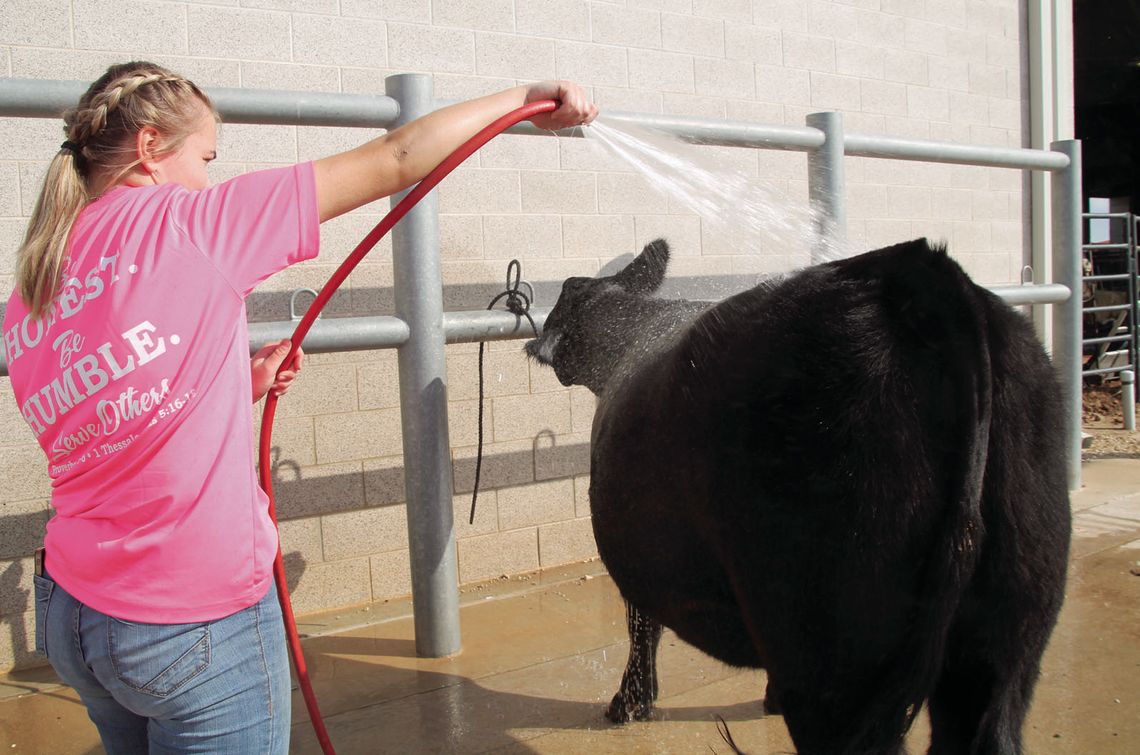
534, 349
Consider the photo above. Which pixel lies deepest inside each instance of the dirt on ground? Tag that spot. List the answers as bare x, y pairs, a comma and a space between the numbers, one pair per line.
1104, 421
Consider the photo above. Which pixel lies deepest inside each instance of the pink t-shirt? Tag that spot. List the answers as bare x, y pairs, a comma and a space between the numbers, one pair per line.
138, 389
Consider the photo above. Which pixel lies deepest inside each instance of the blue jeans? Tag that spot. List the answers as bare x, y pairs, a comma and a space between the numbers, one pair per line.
218, 687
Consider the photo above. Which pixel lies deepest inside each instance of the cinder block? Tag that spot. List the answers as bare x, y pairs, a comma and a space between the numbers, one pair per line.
925, 37
1005, 114
17, 645
536, 503
809, 52
664, 71
378, 382
852, 59
384, 481
359, 533
520, 151
320, 389
754, 43
486, 513
489, 556
476, 190
301, 539
391, 575
725, 78
27, 186
566, 542
783, 86
519, 417
967, 44
593, 65
905, 66
582, 406
561, 19
131, 26
781, 14
543, 379
949, 73
505, 373
39, 23
694, 105
430, 48
909, 202
562, 456
510, 463
232, 32
322, 586
559, 191
582, 496
463, 422
625, 27
370, 285
627, 193
694, 35
596, 235
683, 232
18, 596
315, 490
525, 237
23, 474
952, 204
636, 100
358, 435
292, 437
838, 21
970, 109
882, 97
514, 56
494, 15
335, 41
834, 92
735, 11
756, 112
413, 11
24, 519
307, 78
258, 144
927, 103
460, 237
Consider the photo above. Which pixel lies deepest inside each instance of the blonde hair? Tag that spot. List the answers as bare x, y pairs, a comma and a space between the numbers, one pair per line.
100, 145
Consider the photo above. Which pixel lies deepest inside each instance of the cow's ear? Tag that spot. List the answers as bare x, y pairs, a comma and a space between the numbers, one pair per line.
647, 271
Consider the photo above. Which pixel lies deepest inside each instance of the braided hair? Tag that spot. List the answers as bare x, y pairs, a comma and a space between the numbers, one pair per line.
99, 148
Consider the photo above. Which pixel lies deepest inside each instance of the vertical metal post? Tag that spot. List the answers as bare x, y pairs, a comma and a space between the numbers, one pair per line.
423, 402
1066, 190
1128, 399
826, 188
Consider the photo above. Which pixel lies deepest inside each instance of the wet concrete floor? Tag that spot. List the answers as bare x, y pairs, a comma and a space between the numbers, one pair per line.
543, 654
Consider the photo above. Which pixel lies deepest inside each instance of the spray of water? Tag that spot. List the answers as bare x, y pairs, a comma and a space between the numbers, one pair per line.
738, 209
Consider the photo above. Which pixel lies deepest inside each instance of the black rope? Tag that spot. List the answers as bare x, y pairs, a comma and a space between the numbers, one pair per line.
517, 303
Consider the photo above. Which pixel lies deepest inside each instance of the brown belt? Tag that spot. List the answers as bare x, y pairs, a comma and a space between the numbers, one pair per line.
40, 556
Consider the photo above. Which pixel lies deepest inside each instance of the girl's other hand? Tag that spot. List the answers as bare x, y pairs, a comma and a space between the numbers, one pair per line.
575, 108
264, 366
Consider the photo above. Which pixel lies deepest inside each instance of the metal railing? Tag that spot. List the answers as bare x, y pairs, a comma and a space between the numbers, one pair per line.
1109, 299
419, 328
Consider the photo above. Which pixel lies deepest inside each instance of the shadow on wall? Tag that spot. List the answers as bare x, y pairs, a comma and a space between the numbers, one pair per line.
273, 306
297, 497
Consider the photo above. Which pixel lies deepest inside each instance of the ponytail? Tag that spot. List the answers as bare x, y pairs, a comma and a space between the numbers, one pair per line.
39, 262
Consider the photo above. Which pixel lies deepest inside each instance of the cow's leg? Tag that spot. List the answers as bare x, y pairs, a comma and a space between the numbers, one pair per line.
638, 691
983, 694
836, 724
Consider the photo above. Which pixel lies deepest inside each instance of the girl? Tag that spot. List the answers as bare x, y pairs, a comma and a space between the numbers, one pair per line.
127, 349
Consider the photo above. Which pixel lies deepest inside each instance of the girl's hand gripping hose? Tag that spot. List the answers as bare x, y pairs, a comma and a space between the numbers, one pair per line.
549, 115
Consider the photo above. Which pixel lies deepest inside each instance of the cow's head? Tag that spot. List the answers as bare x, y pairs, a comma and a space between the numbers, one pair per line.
594, 319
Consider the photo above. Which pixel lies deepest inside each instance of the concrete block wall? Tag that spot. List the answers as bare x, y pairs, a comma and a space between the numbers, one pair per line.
939, 69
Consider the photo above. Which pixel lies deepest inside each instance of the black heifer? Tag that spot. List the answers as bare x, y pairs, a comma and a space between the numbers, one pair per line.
852, 477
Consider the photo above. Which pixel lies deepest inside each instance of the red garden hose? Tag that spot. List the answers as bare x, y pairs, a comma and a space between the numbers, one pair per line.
407, 203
